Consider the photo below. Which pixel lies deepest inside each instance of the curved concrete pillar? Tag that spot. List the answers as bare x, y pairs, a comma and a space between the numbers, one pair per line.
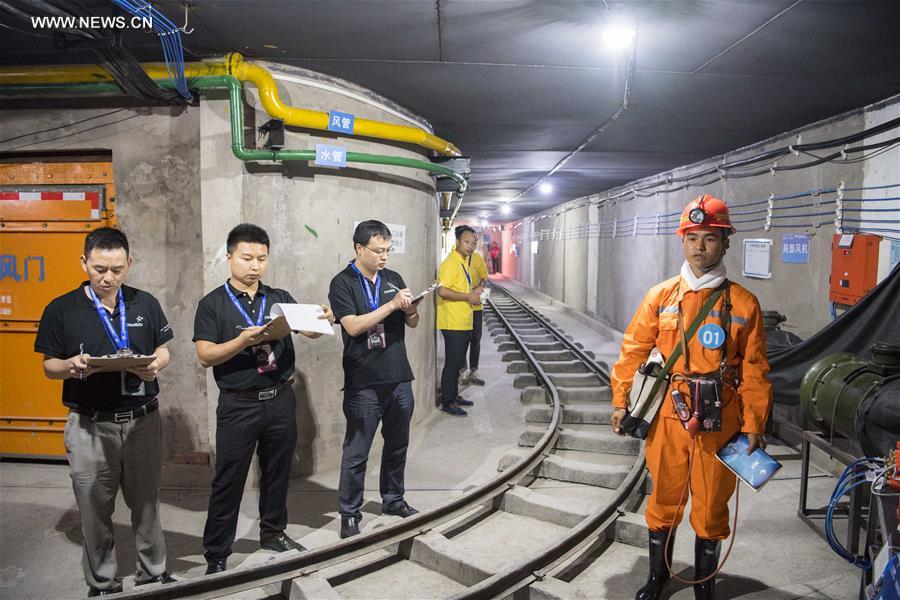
310, 213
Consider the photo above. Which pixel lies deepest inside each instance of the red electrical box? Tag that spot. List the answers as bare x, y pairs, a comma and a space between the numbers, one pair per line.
854, 266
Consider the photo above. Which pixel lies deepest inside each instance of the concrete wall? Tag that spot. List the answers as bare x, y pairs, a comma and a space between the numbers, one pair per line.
310, 214
607, 277
158, 204
180, 190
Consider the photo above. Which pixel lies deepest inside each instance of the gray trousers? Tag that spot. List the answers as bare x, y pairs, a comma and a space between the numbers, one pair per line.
102, 456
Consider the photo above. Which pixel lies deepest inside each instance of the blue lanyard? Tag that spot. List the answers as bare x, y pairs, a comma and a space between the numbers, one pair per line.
371, 300
120, 341
262, 308
468, 277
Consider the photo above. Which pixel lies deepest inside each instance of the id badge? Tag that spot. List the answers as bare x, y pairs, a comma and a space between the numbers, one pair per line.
375, 338
132, 385
265, 358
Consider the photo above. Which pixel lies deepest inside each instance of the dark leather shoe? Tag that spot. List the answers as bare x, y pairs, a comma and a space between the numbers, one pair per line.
164, 578
400, 509
463, 402
280, 543
94, 592
216, 565
349, 527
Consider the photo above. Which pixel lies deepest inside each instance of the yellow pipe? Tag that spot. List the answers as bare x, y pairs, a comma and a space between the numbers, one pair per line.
246, 72
87, 73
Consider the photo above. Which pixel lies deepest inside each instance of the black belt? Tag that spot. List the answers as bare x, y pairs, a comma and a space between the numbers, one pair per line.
266, 394
121, 416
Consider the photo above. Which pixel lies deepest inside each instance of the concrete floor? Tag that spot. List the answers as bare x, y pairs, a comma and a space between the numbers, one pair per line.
39, 523
775, 555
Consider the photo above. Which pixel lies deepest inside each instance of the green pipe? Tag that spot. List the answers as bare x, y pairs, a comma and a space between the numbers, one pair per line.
233, 86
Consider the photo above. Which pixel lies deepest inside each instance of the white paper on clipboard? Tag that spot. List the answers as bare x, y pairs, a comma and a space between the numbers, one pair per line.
298, 317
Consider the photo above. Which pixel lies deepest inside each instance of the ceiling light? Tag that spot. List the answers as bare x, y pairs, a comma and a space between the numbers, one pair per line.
617, 37
484, 222
505, 209
546, 187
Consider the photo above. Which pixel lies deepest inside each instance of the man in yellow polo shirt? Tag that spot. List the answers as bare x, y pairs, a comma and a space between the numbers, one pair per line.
479, 272
456, 298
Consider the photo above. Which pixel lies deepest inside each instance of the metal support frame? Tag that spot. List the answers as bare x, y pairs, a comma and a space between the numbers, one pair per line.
853, 510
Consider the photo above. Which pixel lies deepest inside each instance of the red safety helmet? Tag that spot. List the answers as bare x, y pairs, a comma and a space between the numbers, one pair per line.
705, 211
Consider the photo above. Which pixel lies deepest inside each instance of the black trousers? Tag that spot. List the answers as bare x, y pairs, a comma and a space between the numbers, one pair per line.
245, 425
455, 344
475, 340
392, 406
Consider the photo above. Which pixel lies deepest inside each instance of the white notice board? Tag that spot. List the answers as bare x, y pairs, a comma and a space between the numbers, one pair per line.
398, 236
758, 258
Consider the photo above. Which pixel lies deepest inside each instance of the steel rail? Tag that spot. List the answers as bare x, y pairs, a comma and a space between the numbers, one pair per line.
282, 569
583, 356
584, 535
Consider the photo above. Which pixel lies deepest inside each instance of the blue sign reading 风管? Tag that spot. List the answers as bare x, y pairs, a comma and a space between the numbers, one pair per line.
340, 122
331, 156
795, 248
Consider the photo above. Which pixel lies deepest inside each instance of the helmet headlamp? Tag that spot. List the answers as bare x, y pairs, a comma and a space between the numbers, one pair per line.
697, 216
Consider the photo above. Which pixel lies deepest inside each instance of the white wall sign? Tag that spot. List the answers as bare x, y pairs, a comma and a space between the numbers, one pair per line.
398, 236
758, 258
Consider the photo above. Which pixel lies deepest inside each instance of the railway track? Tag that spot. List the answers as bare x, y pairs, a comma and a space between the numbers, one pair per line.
562, 498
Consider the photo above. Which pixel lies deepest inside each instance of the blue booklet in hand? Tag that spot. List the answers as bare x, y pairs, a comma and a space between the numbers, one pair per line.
753, 469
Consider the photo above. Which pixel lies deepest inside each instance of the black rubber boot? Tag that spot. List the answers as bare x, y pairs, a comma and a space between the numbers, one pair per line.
659, 572
706, 561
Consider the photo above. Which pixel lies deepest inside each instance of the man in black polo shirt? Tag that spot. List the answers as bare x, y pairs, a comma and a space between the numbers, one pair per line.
374, 308
113, 434
256, 401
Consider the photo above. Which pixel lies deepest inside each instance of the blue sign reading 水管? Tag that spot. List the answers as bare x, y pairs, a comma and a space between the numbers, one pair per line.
331, 156
711, 336
795, 248
340, 122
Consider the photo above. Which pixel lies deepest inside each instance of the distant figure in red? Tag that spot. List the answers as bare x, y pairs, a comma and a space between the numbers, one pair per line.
495, 257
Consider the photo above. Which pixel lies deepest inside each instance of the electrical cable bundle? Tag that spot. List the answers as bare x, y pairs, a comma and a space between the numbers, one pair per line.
120, 63
721, 170
859, 472
888, 585
170, 37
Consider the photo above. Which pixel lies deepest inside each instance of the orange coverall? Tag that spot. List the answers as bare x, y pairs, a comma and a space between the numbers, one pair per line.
745, 409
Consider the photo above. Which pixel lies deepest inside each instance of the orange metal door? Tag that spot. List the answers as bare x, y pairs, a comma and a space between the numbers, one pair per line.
46, 209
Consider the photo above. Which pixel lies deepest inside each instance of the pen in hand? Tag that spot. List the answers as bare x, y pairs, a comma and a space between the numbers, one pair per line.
81, 358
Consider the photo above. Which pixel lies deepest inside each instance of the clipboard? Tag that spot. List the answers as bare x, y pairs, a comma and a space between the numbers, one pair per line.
113, 363
288, 318
427, 291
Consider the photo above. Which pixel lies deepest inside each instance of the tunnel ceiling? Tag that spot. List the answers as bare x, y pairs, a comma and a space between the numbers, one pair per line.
519, 84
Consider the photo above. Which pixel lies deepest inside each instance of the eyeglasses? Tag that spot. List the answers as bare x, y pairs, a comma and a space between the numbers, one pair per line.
380, 251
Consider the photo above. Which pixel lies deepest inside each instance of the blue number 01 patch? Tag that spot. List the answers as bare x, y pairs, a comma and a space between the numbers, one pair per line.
711, 336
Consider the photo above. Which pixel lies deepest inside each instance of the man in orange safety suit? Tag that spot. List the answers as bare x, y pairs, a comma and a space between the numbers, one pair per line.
665, 313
